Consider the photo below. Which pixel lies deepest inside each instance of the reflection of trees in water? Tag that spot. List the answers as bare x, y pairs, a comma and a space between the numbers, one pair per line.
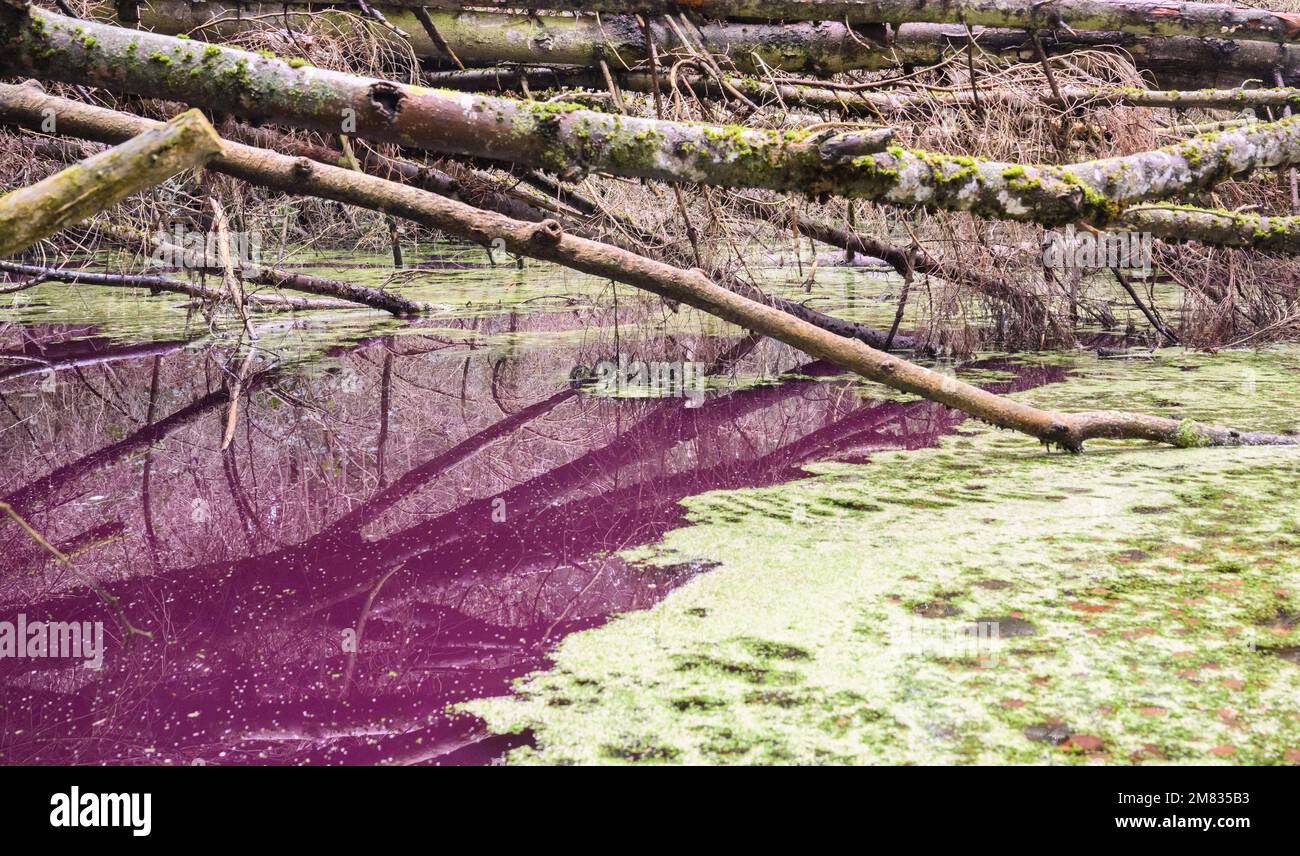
251, 566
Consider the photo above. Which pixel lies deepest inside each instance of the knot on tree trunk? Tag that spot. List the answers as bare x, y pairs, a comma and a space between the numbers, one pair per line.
844, 146
1061, 434
547, 232
387, 99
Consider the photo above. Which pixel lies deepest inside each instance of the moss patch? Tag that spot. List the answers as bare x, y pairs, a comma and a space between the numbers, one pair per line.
1131, 636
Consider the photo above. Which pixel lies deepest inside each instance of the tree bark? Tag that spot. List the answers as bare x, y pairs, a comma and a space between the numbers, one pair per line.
821, 48
549, 242
31, 213
482, 194
485, 38
1218, 227
865, 102
564, 138
27, 105
1177, 61
1153, 17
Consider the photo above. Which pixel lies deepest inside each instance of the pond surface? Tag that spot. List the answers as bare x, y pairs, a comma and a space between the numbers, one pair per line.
404, 515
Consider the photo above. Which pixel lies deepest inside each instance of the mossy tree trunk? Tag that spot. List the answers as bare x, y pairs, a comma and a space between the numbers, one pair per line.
1156, 17
485, 38
549, 242
579, 43
27, 105
31, 213
568, 139
863, 102
1218, 227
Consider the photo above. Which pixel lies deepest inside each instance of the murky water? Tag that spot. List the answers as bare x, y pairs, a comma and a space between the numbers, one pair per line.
406, 514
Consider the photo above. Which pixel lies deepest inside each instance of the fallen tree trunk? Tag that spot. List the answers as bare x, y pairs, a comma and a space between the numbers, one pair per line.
1177, 61
549, 242
816, 48
1209, 99
874, 103
27, 105
31, 213
864, 102
565, 138
1157, 17
916, 260
495, 198
484, 38
1218, 227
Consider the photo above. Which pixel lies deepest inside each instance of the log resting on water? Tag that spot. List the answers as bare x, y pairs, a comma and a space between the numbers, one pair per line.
31, 213
156, 283
568, 139
548, 241
345, 294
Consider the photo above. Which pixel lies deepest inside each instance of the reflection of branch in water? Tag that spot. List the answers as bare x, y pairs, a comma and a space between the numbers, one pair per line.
113, 603
85, 357
361, 629
22, 498
96, 536
252, 606
420, 476
385, 404
146, 503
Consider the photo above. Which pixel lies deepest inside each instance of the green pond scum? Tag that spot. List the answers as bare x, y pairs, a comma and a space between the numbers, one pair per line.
981, 602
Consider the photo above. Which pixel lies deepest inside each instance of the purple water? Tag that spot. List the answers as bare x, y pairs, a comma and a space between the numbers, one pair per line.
452, 506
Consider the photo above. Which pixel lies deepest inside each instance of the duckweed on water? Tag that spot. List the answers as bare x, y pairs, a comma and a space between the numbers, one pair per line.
1149, 596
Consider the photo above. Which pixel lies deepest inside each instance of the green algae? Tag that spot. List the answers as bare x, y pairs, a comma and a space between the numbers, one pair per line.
1149, 596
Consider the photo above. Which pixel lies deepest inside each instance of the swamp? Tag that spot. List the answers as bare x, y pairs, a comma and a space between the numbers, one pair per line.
581, 383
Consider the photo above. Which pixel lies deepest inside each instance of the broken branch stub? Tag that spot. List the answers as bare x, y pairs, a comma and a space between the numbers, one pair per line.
31, 213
